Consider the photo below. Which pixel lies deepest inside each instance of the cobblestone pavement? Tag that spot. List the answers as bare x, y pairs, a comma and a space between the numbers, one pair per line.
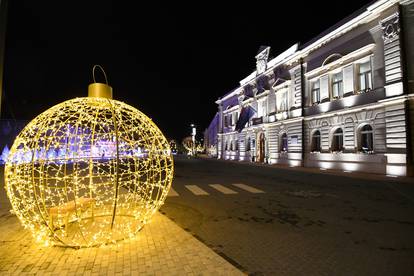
303, 223
161, 248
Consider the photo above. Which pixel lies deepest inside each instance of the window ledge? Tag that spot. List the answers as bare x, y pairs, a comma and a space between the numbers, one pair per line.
366, 152
351, 93
364, 91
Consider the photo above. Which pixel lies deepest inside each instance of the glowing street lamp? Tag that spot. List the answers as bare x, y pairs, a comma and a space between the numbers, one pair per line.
193, 135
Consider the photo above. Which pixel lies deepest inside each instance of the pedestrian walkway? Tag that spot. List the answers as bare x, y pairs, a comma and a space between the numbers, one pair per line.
160, 248
223, 189
248, 188
216, 188
196, 190
172, 192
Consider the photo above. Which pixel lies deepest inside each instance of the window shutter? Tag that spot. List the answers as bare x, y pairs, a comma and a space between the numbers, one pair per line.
349, 79
325, 87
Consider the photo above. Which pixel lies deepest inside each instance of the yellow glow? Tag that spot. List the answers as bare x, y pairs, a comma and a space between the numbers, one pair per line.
188, 144
200, 147
88, 171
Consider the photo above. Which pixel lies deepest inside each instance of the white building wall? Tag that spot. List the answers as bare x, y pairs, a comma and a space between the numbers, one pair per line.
389, 131
385, 115
243, 156
293, 130
396, 139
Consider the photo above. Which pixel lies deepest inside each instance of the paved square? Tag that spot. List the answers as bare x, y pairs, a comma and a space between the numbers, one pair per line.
161, 248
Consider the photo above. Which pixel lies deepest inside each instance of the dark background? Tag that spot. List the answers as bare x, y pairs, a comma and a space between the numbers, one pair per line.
169, 60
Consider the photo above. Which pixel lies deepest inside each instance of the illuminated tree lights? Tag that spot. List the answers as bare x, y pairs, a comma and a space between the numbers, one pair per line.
173, 146
88, 171
188, 144
192, 148
4, 154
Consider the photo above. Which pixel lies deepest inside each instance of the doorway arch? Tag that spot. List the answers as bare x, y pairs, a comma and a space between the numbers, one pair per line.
261, 147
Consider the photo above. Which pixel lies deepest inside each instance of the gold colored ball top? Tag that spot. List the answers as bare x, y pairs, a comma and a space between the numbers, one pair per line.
101, 90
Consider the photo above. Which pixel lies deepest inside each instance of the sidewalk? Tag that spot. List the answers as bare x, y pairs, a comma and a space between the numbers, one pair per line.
358, 175
161, 248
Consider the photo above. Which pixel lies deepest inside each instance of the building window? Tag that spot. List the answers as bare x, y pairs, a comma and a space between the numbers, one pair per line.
337, 140
225, 146
366, 134
236, 145
231, 145
316, 92
281, 100
337, 85
225, 121
365, 76
316, 141
248, 145
284, 143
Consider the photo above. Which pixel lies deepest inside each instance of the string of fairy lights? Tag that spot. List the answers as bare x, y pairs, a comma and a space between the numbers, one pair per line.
88, 171
192, 147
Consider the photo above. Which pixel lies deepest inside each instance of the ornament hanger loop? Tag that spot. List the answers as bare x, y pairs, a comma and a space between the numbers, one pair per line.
102, 70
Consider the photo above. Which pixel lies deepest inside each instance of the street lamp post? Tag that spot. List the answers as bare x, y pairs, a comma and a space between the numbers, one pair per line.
193, 134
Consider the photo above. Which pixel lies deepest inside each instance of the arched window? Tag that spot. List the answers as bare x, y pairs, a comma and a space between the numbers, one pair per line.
316, 141
231, 145
366, 136
226, 145
283, 143
248, 144
337, 140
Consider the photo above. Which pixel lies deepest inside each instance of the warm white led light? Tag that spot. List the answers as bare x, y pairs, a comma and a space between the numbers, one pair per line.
88, 171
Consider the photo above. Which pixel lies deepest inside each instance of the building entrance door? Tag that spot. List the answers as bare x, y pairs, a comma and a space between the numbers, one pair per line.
261, 148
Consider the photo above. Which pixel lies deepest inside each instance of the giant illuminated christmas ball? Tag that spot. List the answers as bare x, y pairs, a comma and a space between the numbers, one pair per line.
88, 171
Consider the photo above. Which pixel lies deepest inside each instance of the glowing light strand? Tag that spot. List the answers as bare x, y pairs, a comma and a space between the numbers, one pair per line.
62, 167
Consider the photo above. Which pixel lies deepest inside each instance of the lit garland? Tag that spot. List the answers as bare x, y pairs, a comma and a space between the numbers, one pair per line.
188, 144
200, 147
88, 171
212, 150
173, 146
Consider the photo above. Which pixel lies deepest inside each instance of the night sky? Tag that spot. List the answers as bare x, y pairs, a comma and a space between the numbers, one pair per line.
171, 61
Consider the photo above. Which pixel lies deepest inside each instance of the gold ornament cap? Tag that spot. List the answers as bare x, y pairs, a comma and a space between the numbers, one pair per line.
101, 90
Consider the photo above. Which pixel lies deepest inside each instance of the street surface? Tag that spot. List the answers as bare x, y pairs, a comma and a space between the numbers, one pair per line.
276, 221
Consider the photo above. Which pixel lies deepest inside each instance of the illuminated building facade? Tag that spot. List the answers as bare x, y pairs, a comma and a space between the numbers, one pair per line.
210, 137
342, 101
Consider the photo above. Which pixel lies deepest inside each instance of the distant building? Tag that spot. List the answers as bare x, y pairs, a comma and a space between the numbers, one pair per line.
210, 137
342, 101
